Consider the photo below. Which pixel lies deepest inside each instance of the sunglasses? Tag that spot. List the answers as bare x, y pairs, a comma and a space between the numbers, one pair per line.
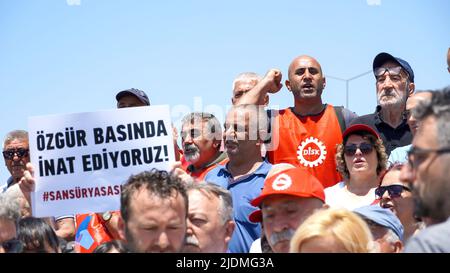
393, 71
12, 246
9, 154
394, 191
365, 148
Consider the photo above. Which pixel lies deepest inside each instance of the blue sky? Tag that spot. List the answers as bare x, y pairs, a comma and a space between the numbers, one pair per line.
67, 56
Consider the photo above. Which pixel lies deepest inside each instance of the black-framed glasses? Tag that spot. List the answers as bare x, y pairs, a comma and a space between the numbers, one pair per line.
9, 154
394, 191
365, 148
12, 246
418, 155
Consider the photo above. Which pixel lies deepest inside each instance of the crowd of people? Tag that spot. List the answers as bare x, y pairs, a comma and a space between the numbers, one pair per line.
313, 177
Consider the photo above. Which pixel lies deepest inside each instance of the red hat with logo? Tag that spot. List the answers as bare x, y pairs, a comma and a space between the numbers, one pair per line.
295, 182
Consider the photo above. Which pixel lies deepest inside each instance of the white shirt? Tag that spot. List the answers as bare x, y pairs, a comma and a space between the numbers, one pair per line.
338, 196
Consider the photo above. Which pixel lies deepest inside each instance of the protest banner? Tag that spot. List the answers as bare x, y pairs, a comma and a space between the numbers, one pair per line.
82, 159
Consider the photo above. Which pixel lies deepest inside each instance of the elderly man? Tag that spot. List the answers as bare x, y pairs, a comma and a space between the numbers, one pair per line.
210, 218
400, 154
154, 208
243, 83
428, 172
244, 174
286, 200
16, 154
201, 135
386, 228
9, 218
132, 98
306, 134
394, 84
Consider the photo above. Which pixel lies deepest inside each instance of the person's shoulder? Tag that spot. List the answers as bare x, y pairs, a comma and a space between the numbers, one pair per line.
336, 187
215, 173
433, 239
364, 119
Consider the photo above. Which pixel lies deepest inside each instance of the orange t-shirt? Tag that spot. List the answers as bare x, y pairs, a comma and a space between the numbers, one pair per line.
201, 173
308, 142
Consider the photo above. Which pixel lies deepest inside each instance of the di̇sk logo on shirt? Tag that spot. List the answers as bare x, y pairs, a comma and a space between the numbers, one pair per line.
311, 152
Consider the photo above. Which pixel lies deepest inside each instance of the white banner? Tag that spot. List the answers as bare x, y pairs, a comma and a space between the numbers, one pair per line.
82, 159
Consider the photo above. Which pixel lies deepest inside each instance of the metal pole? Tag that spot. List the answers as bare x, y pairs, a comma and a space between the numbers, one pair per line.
346, 94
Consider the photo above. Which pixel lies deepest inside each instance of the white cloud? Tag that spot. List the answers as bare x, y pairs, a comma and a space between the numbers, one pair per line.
78, 2
373, 2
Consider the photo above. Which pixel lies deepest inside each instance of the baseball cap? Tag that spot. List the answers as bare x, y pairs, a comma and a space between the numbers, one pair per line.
358, 128
135, 92
294, 182
383, 57
383, 217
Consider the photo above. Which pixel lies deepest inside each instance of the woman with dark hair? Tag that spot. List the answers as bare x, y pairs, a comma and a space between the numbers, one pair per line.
37, 236
114, 246
397, 196
361, 159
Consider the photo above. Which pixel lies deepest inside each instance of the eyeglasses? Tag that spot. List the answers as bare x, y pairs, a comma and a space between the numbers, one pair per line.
379, 71
394, 73
394, 191
365, 148
418, 155
12, 246
9, 154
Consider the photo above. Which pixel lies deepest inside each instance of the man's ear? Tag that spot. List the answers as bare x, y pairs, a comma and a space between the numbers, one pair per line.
122, 227
398, 246
324, 82
229, 228
288, 85
411, 88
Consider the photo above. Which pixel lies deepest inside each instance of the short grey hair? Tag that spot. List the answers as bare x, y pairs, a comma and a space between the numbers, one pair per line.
212, 123
246, 76
9, 208
438, 107
391, 237
225, 209
16, 134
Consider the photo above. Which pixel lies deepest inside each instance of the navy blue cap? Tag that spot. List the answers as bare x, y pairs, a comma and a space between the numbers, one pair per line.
383, 57
383, 217
135, 92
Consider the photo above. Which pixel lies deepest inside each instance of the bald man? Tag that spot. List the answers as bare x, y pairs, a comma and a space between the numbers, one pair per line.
310, 129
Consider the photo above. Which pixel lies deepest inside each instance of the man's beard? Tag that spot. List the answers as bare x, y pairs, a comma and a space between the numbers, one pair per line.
433, 209
395, 99
191, 153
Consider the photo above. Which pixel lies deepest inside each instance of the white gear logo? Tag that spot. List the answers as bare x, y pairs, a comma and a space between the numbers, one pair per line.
282, 182
321, 152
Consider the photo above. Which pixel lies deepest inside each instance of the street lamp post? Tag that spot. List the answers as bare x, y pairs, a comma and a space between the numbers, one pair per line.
347, 81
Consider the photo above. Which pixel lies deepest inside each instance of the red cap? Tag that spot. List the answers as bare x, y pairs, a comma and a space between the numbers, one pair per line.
296, 182
358, 128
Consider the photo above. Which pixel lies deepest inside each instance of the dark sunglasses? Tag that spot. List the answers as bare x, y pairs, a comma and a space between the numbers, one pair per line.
365, 148
9, 154
12, 246
394, 191
394, 71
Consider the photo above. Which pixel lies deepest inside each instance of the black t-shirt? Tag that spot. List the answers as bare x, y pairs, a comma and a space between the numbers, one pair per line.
392, 137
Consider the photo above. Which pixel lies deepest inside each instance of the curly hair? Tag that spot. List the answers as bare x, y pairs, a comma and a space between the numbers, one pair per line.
379, 148
159, 183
